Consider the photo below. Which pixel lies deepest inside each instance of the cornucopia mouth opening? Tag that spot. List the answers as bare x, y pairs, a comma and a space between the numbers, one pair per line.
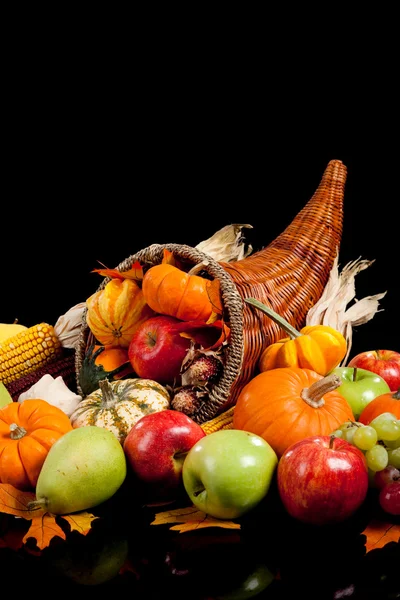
288, 275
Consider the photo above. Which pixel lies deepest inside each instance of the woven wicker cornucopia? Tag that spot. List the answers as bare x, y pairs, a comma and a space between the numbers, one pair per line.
289, 275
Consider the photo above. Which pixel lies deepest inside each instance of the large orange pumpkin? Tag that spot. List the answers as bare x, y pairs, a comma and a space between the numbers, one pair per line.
170, 291
288, 404
28, 429
115, 312
389, 402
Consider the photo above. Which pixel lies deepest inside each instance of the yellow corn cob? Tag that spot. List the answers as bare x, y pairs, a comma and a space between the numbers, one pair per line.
223, 421
27, 351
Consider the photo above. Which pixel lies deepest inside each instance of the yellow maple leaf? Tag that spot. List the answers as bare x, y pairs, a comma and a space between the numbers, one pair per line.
190, 518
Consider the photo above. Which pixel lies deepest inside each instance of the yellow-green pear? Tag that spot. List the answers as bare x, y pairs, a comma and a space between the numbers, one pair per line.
5, 396
83, 468
8, 330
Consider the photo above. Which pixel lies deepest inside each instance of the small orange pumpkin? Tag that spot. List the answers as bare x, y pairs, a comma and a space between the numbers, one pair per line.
115, 312
288, 404
389, 402
316, 347
28, 430
173, 292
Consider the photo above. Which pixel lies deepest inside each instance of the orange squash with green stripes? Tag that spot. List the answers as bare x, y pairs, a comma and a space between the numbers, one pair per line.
116, 311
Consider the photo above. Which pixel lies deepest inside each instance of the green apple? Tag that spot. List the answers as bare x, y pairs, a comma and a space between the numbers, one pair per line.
5, 396
228, 472
359, 387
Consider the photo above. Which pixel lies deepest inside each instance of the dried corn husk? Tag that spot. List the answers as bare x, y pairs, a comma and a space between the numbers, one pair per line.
331, 309
68, 326
227, 244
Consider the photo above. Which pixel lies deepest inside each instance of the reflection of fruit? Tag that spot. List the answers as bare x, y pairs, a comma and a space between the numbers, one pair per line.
359, 387
157, 350
8, 330
228, 472
156, 448
93, 564
84, 468
5, 396
252, 584
385, 363
322, 479
389, 498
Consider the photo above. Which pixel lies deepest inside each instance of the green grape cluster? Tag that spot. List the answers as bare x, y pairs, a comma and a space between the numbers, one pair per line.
379, 441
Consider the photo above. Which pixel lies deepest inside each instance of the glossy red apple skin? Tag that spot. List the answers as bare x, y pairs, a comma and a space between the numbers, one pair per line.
156, 350
385, 363
322, 480
156, 447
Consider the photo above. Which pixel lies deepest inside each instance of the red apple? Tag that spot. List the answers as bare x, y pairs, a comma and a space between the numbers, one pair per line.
385, 363
156, 448
322, 479
157, 349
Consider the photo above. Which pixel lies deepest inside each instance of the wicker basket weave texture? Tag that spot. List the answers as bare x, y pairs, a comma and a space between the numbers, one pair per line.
288, 275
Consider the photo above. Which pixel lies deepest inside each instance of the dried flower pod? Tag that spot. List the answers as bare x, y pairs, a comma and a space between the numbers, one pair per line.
204, 369
187, 400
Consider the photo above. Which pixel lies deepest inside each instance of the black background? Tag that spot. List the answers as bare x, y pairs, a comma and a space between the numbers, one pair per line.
84, 201
106, 154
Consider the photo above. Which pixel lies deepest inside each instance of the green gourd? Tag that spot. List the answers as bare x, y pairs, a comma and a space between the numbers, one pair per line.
84, 468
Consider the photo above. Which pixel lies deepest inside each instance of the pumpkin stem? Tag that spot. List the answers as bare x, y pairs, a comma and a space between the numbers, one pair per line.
108, 399
287, 327
314, 394
17, 432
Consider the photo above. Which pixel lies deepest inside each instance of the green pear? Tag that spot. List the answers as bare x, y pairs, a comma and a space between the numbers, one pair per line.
5, 396
84, 467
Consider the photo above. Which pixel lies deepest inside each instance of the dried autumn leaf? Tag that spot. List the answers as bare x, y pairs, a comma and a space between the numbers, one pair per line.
380, 533
44, 527
189, 519
15, 502
135, 272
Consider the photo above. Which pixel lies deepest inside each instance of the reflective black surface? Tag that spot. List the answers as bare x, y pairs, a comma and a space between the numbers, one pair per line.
271, 557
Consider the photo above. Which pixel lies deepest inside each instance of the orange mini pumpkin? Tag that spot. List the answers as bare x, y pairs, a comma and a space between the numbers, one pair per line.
170, 291
28, 430
389, 402
288, 404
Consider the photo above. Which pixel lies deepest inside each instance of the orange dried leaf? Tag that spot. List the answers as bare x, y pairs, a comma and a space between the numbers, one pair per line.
44, 527
15, 502
189, 519
380, 533
81, 522
214, 296
168, 258
135, 272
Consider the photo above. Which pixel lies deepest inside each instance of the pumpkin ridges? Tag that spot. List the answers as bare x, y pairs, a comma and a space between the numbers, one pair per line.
271, 405
21, 459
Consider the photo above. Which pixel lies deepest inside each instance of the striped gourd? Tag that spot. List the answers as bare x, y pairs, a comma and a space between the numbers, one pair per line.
118, 405
28, 351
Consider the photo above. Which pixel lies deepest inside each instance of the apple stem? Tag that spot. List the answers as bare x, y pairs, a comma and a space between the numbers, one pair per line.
108, 399
331, 441
355, 374
287, 327
314, 394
